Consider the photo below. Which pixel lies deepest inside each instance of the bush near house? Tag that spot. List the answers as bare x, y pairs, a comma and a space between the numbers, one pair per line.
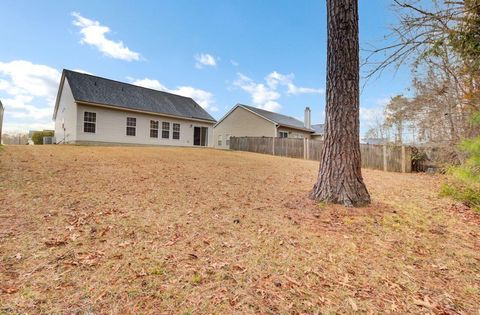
37, 136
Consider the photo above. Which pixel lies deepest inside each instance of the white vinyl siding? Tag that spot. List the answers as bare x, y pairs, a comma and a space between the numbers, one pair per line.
111, 128
227, 140
243, 123
67, 124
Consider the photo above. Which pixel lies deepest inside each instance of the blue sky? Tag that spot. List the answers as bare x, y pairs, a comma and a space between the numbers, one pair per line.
270, 54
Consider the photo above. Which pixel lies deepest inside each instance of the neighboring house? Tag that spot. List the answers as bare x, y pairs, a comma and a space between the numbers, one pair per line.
319, 131
1, 120
374, 141
95, 110
248, 121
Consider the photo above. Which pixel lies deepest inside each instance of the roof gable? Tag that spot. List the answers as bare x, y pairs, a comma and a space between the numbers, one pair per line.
96, 90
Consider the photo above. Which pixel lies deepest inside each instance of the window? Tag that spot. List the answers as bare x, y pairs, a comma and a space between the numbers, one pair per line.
176, 132
89, 122
165, 130
131, 126
220, 140
227, 140
153, 128
283, 134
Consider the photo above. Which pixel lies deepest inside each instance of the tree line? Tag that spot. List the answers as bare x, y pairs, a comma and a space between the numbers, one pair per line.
440, 40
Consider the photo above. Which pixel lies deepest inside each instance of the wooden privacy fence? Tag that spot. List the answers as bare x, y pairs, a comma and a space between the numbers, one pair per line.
382, 157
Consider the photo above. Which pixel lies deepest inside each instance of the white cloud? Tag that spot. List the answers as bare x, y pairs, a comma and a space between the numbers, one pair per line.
28, 93
23, 77
82, 71
204, 98
266, 95
263, 95
94, 34
205, 60
274, 79
383, 101
234, 63
369, 117
151, 84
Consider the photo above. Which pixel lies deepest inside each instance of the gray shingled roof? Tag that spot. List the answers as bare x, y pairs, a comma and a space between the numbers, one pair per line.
93, 89
319, 128
280, 119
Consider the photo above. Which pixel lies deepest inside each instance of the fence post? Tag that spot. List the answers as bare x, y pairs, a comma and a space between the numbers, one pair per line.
403, 159
308, 149
273, 146
304, 149
385, 157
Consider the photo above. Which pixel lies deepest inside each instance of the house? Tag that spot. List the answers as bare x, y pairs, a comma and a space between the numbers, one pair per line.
95, 110
1, 120
248, 121
319, 132
377, 141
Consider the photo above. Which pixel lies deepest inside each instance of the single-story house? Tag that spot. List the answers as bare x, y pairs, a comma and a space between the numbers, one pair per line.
95, 110
1, 120
248, 121
377, 141
319, 131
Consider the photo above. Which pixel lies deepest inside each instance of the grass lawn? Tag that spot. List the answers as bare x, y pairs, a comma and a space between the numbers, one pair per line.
198, 231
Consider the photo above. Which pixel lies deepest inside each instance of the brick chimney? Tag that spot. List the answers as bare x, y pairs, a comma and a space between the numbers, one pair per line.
308, 118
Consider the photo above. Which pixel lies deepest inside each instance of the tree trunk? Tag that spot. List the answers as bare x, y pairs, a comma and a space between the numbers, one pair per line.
340, 176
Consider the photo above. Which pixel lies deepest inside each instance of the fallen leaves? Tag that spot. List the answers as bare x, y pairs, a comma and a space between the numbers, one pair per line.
120, 227
8, 289
53, 242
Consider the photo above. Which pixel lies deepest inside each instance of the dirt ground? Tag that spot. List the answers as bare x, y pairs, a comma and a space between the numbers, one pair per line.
114, 230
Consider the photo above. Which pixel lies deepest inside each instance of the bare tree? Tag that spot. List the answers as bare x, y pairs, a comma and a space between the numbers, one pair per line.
340, 177
439, 39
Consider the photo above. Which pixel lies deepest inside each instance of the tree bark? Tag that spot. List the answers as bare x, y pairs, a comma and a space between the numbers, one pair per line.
340, 176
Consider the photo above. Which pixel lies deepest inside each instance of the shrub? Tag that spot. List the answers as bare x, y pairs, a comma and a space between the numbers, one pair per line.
37, 136
464, 182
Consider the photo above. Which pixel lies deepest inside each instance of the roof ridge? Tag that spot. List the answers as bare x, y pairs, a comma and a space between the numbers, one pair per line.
270, 111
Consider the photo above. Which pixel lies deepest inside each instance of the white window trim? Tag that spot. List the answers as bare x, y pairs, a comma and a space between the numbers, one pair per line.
166, 122
150, 130
173, 130
127, 126
83, 127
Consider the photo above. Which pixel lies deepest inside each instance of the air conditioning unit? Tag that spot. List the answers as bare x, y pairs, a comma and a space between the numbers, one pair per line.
48, 140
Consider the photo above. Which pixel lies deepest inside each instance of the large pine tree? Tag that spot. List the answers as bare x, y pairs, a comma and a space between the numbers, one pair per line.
340, 176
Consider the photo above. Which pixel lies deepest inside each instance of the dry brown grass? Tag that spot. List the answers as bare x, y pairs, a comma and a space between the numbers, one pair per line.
192, 231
